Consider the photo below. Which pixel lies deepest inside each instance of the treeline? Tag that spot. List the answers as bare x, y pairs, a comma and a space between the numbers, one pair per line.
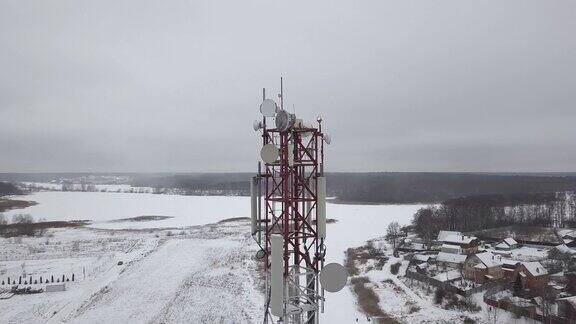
233, 183
21, 225
372, 187
7, 189
381, 187
489, 211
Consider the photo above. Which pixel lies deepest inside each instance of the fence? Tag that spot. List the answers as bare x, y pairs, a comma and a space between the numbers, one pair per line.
448, 287
529, 312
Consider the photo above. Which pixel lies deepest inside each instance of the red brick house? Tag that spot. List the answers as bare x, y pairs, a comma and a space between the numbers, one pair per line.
483, 267
509, 269
532, 275
567, 308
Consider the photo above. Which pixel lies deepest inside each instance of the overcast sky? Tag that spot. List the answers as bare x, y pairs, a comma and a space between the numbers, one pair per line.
175, 85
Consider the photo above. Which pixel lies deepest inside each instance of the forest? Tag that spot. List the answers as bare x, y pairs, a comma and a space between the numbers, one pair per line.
7, 188
363, 188
490, 211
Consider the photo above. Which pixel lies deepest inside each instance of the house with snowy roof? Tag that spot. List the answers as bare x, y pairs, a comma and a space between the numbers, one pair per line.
532, 275
483, 267
451, 248
509, 269
442, 235
571, 235
507, 244
564, 249
468, 244
567, 308
450, 259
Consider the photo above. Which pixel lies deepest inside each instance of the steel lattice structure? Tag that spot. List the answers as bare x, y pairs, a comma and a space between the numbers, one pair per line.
290, 192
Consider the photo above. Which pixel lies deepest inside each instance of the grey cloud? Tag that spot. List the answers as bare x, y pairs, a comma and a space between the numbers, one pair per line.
174, 85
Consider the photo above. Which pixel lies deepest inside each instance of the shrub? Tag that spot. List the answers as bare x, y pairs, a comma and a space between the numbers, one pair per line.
439, 295
463, 305
468, 320
367, 298
395, 267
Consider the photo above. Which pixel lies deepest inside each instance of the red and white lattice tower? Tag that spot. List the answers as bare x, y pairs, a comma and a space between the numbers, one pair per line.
292, 228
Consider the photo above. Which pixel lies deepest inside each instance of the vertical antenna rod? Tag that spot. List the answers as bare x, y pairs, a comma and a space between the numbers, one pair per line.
281, 94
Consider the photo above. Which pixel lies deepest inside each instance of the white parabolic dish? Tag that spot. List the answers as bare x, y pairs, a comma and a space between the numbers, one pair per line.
333, 277
269, 153
268, 108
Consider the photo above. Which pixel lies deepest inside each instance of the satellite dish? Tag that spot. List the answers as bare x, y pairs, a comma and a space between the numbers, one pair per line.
260, 254
327, 138
285, 120
269, 153
257, 125
333, 277
268, 108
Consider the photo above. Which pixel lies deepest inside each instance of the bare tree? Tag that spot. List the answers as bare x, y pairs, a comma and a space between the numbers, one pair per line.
25, 224
548, 300
393, 233
424, 224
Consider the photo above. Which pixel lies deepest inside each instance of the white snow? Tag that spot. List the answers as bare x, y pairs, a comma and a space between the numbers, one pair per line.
528, 253
442, 235
355, 224
451, 258
104, 207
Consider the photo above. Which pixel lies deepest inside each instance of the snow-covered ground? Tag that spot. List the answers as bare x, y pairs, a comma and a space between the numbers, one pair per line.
356, 224
181, 259
102, 208
198, 275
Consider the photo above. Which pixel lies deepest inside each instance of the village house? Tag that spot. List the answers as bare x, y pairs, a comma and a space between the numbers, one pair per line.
450, 259
449, 248
567, 308
442, 235
421, 258
532, 275
570, 243
509, 269
507, 244
468, 244
571, 282
569, 236
483, 267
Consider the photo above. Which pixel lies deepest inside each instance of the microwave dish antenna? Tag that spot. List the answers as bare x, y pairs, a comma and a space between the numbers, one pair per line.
269, 153
268, 108
285, 120
257, 125
333, 277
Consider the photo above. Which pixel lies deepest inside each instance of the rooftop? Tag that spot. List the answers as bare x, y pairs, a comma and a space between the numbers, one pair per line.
535, 268
459, 239
510, 241
450, 257
443, 234
489, 260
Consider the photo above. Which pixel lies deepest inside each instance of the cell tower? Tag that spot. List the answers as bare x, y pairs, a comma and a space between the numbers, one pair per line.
292, 230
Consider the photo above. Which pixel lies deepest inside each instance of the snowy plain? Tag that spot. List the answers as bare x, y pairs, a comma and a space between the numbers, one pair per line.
355, 225
103, 207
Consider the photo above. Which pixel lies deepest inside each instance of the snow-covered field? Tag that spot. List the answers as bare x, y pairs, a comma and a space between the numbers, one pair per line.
203, 274
170, 278
102, 208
